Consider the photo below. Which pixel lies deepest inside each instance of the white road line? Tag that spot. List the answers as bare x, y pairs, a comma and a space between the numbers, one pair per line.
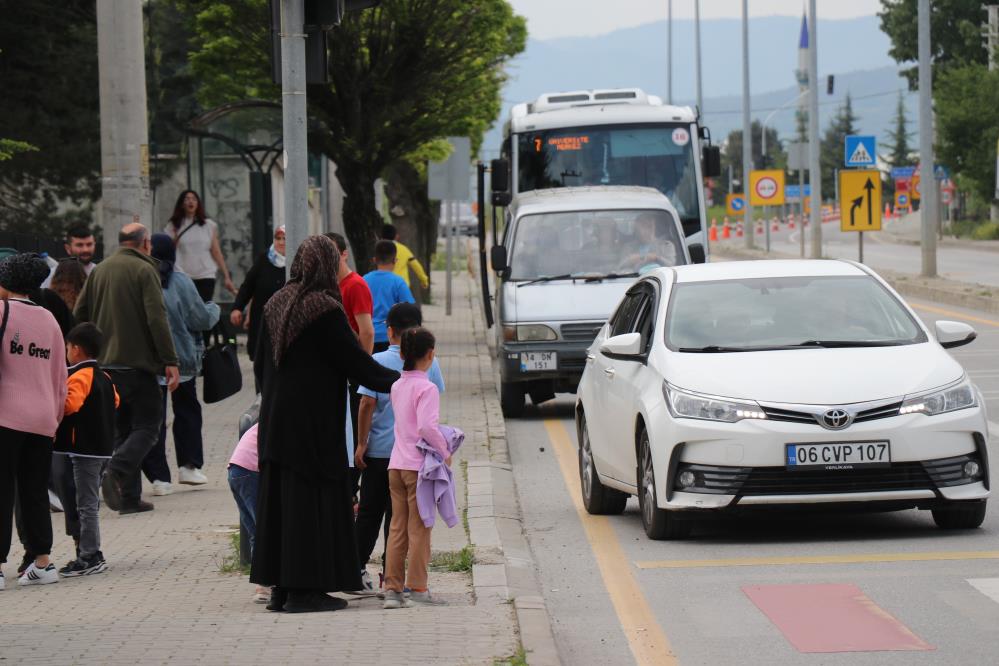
987, 586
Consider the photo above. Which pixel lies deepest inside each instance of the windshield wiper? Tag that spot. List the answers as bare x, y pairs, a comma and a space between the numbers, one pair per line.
549, 278
839, 344
714, 349
609, 276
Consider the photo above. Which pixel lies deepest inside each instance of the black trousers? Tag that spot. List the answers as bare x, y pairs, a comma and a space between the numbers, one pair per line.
187, 438
206, 288
26, 461
376, 505
355, 405
138, 422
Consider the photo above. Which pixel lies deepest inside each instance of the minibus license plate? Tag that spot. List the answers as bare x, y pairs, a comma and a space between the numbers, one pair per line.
533, 361
837, 455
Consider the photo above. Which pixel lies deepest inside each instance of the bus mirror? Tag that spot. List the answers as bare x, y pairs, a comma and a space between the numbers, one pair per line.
500, 175
501, 199
497, 257
712, 161
696, 253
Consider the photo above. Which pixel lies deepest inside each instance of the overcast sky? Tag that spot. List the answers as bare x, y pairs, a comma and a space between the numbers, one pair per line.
571, 18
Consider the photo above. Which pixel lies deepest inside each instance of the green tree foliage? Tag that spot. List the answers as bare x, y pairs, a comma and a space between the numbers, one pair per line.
843, 124
402, 75
170, 84
9, 148
48, 75
967, 102
899, 142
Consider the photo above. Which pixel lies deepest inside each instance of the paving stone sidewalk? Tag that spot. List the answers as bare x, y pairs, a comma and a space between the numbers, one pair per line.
165, 600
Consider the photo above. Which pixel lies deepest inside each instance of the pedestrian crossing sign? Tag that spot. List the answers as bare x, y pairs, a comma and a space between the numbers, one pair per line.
860, 151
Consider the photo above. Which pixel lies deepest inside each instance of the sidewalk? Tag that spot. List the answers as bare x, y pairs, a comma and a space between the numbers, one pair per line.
165, 600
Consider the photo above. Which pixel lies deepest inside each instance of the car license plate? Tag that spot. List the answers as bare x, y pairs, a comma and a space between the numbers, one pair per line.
838, 455
534, 361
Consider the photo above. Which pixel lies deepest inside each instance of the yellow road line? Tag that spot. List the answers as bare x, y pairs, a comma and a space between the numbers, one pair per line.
956, 315
822, 559
646, 639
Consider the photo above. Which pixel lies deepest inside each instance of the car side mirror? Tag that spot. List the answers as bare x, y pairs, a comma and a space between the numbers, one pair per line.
626, 345
696, 253
497, 257
711, 158
499, 172
952, 334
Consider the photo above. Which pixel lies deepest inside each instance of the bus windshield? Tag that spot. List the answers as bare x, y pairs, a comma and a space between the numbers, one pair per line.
659, 156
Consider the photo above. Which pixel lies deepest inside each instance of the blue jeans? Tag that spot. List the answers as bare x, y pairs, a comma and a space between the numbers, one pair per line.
244, 484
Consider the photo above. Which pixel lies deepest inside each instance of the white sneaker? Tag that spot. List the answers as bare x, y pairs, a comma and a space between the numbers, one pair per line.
3, 582
35, 576
191, 476
367, 586
394, 600
161, 488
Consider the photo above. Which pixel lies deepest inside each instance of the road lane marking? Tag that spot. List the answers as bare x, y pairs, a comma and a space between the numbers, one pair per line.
956, 315
646, 639
832, 618
987, 586
937, 556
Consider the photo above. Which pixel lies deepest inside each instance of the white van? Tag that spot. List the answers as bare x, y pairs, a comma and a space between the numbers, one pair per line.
567, 258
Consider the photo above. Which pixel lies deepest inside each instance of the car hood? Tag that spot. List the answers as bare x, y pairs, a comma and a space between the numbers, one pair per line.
815, 376
563, 301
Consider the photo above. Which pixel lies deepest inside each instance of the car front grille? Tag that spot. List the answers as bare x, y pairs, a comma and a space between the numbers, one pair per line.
883, 411
581, 332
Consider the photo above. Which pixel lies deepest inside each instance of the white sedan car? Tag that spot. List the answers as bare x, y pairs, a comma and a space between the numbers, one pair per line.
739, 385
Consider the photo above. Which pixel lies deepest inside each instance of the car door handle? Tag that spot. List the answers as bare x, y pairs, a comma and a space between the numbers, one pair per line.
609, 372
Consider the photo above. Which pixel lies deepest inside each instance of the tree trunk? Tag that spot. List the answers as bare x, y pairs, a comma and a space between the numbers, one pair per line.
361, 220
412, 214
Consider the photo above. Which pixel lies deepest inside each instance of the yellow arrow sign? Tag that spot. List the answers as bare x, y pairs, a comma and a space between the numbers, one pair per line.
860, 200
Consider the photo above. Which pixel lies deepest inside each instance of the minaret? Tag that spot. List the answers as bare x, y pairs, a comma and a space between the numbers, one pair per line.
801, 74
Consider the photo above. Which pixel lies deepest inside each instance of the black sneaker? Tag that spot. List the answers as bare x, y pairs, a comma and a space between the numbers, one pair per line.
94, 564
312, 602
134, 506
279, 596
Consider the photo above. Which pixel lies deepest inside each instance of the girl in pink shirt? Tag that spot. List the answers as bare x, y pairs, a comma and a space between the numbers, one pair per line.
416, 405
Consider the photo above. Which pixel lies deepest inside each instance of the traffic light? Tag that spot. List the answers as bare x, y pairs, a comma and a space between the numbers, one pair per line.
321, 16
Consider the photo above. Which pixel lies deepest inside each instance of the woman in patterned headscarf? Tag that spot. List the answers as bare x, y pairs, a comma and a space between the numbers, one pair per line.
305, 543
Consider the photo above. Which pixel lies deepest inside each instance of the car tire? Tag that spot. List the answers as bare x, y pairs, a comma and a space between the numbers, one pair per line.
598, 499
659, 524
960, 515
511, 399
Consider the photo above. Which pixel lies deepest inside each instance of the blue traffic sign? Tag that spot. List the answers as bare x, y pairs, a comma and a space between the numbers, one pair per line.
940, 172
860, 151
902, 199
901, 173
738, 203
793, 191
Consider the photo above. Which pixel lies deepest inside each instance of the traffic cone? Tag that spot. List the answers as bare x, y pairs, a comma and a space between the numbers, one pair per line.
726, 230
759, 228
738, 231
713, 233
790, 221
887, 212
776, 225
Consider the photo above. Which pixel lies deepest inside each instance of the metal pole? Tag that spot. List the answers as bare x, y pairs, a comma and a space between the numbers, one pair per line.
766, 225
296, 151
860, 246
449, 231
124, 132
697, 49
747, 129
928, 209
801, 210
669, 51
992, 42
814, 164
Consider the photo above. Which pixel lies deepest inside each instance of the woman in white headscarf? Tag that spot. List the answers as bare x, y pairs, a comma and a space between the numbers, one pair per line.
263, 281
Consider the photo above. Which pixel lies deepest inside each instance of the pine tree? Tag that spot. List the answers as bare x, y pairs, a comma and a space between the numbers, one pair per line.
899, 148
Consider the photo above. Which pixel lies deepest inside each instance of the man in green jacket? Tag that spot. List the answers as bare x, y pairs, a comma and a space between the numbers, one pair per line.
124, 299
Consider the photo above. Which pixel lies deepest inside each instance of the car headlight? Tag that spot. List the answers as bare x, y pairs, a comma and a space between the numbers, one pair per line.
940, 401
535, 333
685, 404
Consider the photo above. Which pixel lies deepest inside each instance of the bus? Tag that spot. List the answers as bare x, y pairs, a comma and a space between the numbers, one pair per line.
611, 137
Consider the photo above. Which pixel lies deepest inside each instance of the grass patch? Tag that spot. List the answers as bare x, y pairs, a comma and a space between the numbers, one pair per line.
464, 508
230, 561
439, 262
518, 659
453, 561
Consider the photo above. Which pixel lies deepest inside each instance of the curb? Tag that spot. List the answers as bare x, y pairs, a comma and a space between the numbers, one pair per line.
941, 290
504, 569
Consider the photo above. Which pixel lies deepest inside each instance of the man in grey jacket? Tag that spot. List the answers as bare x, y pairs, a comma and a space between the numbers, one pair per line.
124, 299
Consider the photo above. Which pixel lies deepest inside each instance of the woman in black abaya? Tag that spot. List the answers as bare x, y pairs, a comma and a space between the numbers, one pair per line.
305, 544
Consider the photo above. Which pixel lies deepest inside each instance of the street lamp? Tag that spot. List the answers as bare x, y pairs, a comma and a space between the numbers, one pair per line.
767, 120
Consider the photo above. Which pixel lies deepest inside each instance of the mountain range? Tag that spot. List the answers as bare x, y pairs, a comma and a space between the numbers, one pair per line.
855, 51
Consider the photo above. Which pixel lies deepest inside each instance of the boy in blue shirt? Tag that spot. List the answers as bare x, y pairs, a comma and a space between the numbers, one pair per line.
376, 437
387, 289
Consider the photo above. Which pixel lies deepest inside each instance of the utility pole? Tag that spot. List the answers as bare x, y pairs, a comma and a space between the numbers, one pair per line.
992, 43
697, 50
814, 163
669, 51
124, 130
747, 129
296, 167
928, 191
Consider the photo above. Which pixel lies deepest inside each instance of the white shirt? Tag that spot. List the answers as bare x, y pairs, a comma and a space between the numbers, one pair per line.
194, 251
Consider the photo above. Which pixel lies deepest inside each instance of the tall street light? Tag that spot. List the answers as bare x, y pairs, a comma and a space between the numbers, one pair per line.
927, 189
814, 165
697, 53
747, 128
669, 51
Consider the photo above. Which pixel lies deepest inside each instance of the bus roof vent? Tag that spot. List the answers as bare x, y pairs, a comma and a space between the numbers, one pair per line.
616, 95
561, 100
565, 99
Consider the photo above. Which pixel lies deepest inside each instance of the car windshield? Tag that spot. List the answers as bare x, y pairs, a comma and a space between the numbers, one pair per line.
787, 313
594, 243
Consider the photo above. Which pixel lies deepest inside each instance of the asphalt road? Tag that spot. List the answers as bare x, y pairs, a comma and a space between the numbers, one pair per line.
617, 598
955, 263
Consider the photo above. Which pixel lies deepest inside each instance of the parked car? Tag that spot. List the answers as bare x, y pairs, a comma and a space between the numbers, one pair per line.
747, 385
567, 257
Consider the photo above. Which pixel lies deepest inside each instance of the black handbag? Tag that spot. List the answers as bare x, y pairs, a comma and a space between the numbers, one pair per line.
220, 367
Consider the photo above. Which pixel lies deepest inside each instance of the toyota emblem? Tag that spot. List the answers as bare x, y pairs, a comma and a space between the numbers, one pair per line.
836, 419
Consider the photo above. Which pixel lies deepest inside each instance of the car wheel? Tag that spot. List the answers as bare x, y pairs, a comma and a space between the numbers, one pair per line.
511, 399
597, 498
960, 515
659, 523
